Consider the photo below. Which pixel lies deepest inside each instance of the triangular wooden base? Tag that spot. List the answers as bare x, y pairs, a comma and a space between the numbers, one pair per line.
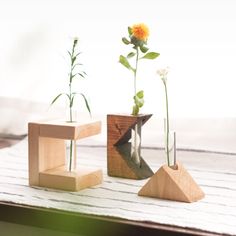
172, 184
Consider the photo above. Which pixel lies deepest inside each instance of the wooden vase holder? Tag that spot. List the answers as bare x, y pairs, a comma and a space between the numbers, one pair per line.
172, 183
47, 155
119, 162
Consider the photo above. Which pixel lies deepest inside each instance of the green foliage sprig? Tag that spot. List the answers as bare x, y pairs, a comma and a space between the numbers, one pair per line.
138, 35
73, 74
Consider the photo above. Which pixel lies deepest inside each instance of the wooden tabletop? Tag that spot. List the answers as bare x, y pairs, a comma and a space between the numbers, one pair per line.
114, 207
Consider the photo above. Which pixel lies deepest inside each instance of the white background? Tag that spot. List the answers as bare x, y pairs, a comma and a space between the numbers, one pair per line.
196, 39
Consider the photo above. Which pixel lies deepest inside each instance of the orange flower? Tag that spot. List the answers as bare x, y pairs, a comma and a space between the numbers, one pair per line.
140, 31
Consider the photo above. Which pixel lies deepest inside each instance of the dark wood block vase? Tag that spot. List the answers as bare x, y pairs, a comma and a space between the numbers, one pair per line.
119, 158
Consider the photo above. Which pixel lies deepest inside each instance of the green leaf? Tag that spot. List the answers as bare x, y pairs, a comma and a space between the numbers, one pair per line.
125, 41
131, 54
78, 54
54, 100
125, 63
72, 100
140, 94
138, 101
72, 76
69, 53
143, 49
86, 103
73, 60
85, 100
136, 42
68, 96
150, 55
130, 31
80, 74
135, 110
77, 64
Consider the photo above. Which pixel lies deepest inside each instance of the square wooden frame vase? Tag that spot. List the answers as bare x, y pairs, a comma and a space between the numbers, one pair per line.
47, 155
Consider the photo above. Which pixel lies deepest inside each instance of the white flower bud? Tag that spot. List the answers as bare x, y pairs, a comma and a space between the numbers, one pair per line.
163, 73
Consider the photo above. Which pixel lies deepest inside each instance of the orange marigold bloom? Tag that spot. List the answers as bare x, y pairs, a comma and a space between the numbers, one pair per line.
140, 31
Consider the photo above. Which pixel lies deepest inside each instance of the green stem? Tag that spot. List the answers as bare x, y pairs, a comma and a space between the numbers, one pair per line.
135, 72
70, 105
70, 162
135, 92
135, 108
70, 95
167, 125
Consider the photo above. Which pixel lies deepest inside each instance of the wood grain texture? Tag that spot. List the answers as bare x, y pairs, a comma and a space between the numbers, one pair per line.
33, 153
52, 153
172, 183
70, 131
47, 155
71, 181
119, 162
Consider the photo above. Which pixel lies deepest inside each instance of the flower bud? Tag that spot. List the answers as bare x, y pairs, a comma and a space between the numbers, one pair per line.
76, 40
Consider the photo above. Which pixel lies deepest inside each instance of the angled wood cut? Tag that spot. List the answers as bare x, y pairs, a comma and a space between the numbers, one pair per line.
119, 161
172, 183
47, 155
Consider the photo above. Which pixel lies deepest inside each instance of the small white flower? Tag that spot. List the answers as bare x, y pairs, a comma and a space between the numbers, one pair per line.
163, 73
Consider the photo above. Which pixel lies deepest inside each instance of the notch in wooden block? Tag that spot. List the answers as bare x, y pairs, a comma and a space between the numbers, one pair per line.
119, 161
172, 184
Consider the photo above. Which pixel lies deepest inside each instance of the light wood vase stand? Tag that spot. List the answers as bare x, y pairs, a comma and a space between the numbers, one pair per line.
47, 155
173, 184
119, 162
